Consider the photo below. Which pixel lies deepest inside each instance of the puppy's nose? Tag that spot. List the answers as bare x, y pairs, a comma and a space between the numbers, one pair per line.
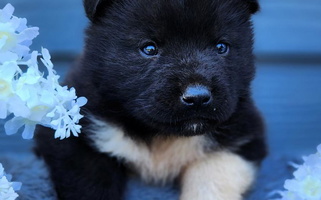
196, 95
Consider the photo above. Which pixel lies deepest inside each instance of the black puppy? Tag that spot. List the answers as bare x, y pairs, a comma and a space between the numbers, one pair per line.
168, 84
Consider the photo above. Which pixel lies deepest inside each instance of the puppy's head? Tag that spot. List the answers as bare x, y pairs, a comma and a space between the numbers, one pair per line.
177, 66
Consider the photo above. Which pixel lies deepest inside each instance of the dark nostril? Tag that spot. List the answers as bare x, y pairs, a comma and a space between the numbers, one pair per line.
188, 100
196, 95
206, 99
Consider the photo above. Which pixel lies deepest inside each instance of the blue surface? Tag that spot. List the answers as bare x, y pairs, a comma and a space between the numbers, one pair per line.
36, 182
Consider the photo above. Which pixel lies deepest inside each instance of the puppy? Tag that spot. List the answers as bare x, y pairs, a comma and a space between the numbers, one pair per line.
168, 84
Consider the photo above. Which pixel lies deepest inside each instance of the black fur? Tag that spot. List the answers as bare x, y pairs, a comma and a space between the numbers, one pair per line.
142, 94
78, 171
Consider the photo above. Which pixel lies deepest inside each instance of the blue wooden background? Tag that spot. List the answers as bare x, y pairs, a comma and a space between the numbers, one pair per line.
282, 27
288, 47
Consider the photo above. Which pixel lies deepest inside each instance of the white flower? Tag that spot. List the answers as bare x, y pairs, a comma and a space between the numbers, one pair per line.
65, 116
7, 188
40, 100
287, 195
29, 96
306, 184
15, 36
307, 188
13, 125
7, 73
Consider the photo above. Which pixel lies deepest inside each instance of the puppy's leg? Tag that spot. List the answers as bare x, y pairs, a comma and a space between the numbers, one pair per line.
78, 171
220, 176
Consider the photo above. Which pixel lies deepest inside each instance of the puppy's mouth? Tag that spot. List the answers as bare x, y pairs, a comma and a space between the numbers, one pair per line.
194, 127
188, 127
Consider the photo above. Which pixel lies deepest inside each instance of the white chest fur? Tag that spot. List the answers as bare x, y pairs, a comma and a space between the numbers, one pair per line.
160, 162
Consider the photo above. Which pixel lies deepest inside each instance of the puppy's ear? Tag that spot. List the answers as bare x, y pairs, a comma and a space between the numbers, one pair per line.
96, 8
253, 6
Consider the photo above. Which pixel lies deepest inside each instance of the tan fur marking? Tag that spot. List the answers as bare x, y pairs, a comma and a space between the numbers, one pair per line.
220, 176
161, 162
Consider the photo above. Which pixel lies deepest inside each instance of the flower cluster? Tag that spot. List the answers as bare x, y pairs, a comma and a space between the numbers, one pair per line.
307, 182
27, 96
7, 188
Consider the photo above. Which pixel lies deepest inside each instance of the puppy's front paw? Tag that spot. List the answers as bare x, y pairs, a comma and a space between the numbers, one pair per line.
220, 176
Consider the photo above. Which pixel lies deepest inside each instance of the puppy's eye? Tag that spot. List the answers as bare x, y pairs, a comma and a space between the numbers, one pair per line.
149, 49
222, 48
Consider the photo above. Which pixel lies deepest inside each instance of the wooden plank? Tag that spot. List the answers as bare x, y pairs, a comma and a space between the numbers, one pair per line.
289, 97
288, 27
282, 27
61, 23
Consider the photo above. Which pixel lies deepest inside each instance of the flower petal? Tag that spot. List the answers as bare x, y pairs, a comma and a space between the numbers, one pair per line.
6, 13
18, 107
12, 126
16, 185
319, 148
7, 56
28, 34
28, 131
81, 101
